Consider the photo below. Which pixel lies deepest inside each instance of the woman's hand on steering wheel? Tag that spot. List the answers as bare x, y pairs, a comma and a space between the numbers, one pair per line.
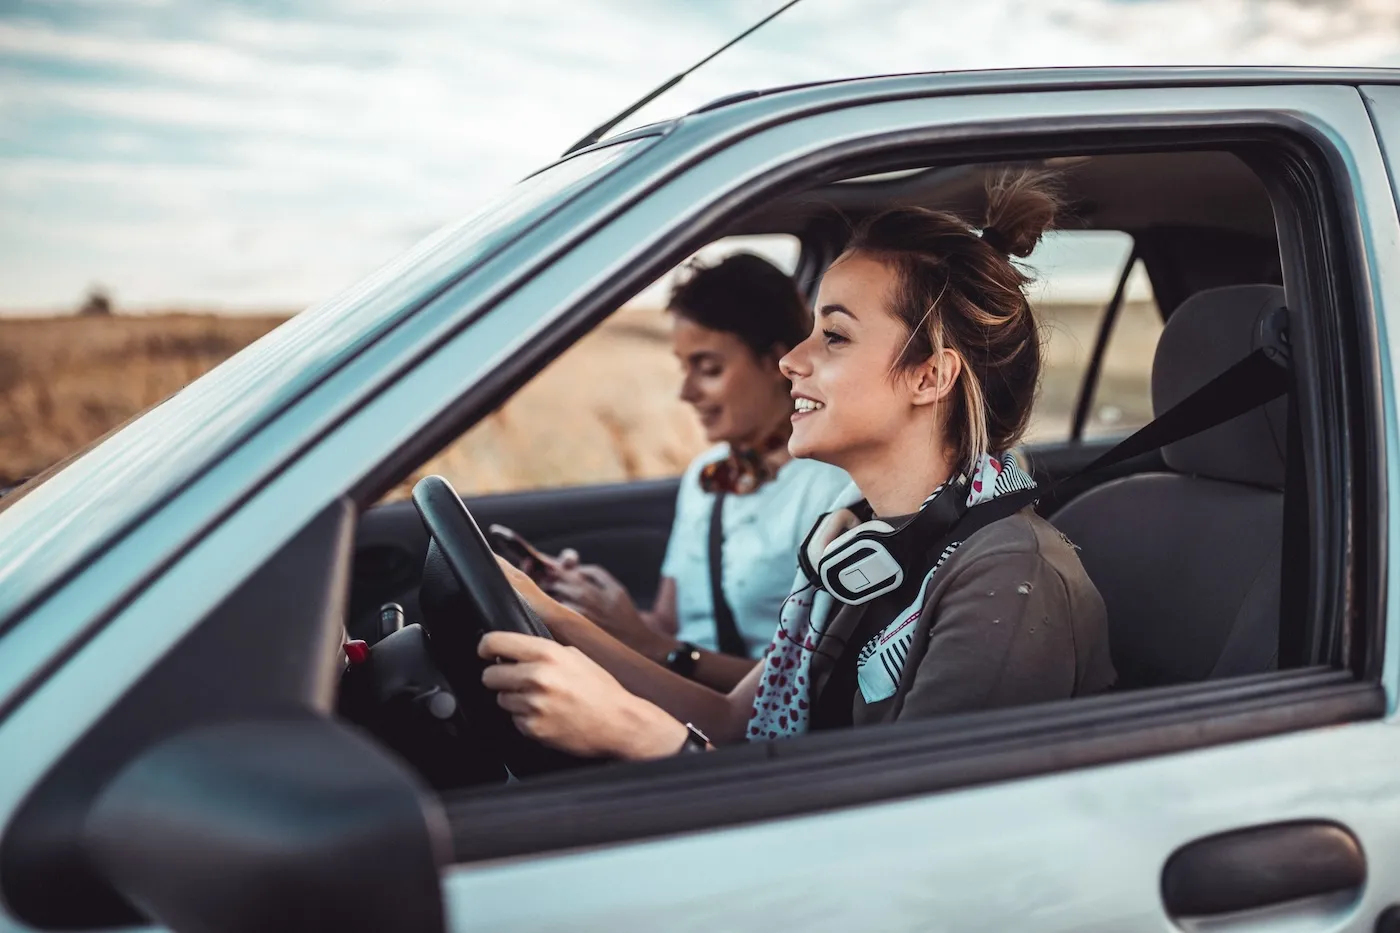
546, 607
559, 697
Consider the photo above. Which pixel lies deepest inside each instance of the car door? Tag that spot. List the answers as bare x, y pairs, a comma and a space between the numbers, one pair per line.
1271, 802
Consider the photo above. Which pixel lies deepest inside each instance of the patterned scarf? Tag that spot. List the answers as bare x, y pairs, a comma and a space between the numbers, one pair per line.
782, 701
744, 470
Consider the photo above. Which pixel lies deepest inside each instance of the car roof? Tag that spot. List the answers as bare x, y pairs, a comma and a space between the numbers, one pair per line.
1031, 79
866, 88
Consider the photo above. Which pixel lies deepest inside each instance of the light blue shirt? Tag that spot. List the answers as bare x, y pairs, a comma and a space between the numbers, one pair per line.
762, 532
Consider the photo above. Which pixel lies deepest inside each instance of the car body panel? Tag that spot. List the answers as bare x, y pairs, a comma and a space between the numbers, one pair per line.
1075, 852
1383, 255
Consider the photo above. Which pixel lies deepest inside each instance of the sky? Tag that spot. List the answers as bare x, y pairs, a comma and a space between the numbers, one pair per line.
265, 155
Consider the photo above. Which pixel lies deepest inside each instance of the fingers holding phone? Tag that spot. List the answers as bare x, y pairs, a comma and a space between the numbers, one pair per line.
522, 554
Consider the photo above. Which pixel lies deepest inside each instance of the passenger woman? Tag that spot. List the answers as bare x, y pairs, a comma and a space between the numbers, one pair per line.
744, 505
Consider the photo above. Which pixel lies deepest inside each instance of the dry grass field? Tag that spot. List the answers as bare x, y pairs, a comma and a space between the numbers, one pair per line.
605, 411
66, 381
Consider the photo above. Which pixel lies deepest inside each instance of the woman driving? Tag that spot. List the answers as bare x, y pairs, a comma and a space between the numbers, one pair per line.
917, 379
731, 323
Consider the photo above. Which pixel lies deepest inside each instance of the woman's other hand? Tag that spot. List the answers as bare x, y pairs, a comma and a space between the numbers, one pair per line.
595, 594
557, 696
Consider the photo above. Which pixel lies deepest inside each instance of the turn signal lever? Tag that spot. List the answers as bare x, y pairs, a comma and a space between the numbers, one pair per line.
391, 619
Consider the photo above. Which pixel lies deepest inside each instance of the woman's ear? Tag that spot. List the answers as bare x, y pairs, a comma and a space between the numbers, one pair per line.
935, 377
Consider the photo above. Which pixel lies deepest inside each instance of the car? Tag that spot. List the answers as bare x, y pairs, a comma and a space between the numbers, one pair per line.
178, 748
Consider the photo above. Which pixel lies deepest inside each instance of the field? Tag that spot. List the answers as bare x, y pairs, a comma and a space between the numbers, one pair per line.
605, 411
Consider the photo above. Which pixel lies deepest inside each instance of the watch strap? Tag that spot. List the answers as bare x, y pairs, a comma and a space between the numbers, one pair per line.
695, 741
682, 659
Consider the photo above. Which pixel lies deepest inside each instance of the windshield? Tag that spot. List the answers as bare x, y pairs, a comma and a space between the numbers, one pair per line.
195, 346
91, 493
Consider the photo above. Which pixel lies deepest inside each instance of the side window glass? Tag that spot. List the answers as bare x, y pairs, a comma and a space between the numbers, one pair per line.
605, 411
1076, 274
1122, 399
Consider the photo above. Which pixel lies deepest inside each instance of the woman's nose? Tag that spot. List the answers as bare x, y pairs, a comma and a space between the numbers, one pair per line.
794, 362
688, 393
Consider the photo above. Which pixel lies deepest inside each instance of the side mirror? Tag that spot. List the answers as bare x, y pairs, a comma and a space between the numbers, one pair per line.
288, 825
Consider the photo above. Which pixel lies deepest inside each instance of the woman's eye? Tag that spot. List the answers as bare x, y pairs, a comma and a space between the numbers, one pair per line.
834, 337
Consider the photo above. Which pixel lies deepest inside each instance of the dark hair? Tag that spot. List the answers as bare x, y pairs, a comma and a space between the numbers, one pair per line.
959, 290
747, 296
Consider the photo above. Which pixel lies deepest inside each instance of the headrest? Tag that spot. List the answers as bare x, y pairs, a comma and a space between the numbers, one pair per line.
1206, 335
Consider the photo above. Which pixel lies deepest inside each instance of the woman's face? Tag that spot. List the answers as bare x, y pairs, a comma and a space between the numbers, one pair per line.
738, 397
851, 405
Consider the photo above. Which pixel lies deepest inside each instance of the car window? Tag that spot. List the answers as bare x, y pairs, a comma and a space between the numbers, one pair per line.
70, 380
605, 411
1122, 398
1076, 274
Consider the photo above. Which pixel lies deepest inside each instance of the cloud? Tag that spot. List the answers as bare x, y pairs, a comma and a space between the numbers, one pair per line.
194, 151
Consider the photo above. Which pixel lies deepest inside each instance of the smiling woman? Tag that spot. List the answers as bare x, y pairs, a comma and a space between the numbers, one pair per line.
744, 504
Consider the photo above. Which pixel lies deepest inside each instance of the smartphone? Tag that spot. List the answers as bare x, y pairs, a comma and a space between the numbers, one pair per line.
520, 552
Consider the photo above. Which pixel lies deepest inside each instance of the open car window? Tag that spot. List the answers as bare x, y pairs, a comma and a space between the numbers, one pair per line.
1077, 275
606, 411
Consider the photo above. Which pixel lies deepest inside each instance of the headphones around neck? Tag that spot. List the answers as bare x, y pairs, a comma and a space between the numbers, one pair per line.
868, 560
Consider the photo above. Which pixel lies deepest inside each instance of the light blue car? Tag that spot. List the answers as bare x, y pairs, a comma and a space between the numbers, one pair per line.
177, 750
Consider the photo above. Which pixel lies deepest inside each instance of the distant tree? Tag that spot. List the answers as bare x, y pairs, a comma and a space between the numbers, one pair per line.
98, 302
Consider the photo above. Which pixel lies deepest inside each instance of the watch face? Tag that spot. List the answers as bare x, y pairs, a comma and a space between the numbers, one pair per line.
682, 659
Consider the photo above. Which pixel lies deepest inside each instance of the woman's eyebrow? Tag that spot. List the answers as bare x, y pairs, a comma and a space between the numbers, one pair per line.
828, 310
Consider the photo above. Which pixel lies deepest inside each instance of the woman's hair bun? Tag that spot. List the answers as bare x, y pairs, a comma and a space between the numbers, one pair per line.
1021, 206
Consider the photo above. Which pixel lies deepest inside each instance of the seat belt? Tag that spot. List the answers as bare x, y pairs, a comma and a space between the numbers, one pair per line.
727, 637
1255, 380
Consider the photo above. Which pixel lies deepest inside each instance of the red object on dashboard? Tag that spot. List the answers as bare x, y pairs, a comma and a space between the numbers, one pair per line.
356, 651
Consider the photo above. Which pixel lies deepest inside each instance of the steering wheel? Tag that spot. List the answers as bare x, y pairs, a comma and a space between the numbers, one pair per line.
485, 587
482, 600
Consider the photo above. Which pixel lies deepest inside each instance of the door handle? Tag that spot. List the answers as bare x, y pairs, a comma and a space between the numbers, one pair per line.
1260, 867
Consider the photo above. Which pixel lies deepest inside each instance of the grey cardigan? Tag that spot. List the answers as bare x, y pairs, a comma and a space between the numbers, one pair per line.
1010, 618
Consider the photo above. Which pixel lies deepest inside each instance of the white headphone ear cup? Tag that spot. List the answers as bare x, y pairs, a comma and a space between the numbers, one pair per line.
832, 526
846, 537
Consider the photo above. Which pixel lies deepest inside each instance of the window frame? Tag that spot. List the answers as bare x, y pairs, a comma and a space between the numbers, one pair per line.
738, 785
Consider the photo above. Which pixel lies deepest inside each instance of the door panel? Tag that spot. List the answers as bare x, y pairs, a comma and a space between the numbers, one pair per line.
1076, 852
622, 527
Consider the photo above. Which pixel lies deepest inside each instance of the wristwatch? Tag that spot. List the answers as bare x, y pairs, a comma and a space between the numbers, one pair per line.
683, 658
695, 741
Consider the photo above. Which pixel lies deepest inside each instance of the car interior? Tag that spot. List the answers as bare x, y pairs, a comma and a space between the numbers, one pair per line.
1207, 509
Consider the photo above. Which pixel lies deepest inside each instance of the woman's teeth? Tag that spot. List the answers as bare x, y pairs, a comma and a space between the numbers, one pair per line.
806, 404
